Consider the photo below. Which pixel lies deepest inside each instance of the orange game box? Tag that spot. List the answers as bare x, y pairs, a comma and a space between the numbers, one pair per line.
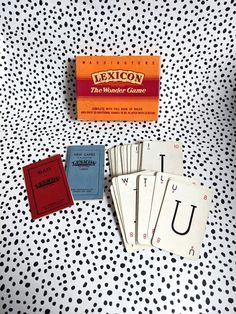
122, 88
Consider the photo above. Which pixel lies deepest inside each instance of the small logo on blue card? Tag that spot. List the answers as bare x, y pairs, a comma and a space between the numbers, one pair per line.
83, 163
85, 171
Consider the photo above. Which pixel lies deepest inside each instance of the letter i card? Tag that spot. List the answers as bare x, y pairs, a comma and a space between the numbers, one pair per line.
162, 156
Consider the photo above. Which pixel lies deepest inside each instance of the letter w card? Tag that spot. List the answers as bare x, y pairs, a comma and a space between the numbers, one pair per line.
163, 157
181, 225
47, 186
85, 171
127, 185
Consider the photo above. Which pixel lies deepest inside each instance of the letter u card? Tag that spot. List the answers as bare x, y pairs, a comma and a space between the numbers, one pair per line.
158, 195
181, 224
122, 88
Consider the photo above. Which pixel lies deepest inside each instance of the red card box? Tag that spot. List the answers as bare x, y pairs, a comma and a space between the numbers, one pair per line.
47, 186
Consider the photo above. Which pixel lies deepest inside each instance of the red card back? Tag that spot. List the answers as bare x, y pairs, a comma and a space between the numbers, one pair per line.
47, 187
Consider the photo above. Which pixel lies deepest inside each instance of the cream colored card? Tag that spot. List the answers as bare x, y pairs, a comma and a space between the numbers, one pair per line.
116, 192
111, 156
129, 247
162, 157
134, 153
144, 202
127, 191
181, 225
158, 194
140, 149
123, 153
118, 165
129, 158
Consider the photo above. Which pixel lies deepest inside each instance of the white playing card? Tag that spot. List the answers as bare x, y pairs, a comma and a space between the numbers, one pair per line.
134, 158
123, 152
112, 160
117, 208
140, 149
118, 164
158, 194
144, 202
118, 198
162, 157
128, 158
182, 220
129, 247
127, 186
117, 195
127, 190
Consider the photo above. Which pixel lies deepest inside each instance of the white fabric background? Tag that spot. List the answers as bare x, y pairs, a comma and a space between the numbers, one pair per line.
74, 260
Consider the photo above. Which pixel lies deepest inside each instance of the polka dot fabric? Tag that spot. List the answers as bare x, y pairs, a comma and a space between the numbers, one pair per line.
73, 261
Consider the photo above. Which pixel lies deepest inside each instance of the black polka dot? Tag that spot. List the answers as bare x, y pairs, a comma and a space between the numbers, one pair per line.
74, 261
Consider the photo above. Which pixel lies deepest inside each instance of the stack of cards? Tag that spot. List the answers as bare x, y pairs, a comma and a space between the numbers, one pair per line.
161, 209
158, 156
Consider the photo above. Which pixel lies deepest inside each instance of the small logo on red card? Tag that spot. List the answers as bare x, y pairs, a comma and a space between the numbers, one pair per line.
47, 181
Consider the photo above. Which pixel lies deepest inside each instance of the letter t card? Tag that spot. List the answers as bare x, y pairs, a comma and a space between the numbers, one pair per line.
85, 171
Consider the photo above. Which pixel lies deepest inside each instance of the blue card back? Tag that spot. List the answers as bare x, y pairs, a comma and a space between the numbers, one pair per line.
85, 171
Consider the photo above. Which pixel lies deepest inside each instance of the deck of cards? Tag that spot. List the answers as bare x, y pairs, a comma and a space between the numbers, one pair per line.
158, 156
155, 204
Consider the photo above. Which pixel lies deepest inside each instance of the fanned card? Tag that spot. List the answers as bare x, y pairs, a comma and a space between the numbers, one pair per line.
85, 171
